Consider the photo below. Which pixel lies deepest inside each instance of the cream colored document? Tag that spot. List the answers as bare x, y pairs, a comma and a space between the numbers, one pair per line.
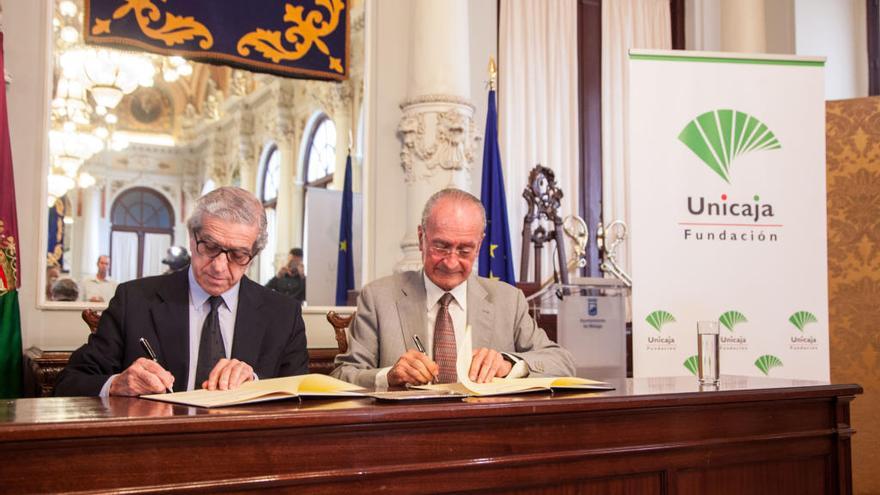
311, 385
504, 386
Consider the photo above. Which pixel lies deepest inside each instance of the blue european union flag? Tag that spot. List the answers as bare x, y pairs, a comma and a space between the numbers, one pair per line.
496, 260
345, 258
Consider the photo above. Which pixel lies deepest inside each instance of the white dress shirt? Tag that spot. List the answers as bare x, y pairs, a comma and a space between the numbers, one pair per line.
199, 307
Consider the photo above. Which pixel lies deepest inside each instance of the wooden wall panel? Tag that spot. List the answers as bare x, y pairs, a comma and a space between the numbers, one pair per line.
853, 161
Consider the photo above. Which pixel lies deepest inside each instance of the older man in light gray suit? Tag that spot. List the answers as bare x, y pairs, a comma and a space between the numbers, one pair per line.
506, 340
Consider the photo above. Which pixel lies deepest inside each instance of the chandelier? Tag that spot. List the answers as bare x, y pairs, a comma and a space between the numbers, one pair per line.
69, 149
91, 83
71, 102
108, 74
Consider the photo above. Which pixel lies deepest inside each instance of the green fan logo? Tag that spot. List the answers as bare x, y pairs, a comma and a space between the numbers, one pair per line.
767, 362
691, 364
659, 318
718, 137
800, 319
731, 319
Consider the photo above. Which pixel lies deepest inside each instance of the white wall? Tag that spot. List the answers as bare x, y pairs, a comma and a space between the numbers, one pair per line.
837, 30
388, 46
26, 29
779, 17
702, 25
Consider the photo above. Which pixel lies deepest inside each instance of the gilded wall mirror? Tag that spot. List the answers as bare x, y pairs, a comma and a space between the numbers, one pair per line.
136, 138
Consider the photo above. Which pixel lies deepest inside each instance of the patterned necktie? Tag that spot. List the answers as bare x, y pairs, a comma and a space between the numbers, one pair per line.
444, 342
211, 348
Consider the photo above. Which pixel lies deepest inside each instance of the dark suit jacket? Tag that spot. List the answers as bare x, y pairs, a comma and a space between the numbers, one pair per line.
269, 334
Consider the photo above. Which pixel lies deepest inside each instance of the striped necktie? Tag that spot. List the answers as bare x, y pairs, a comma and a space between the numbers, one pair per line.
444, 342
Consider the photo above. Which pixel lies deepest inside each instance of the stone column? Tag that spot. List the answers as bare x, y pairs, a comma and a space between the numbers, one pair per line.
743, 27
247, 152
437, 128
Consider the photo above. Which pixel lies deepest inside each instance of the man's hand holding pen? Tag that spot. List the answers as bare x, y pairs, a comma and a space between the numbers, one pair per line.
144, 376
413, 368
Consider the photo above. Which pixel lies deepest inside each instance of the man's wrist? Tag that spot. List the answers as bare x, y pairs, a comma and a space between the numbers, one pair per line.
518, 367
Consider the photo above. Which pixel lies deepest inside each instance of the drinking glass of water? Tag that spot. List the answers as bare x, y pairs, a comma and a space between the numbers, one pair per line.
707, 352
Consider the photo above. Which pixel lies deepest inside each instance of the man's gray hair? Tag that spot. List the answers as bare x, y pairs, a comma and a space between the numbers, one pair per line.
452, 194
234, 205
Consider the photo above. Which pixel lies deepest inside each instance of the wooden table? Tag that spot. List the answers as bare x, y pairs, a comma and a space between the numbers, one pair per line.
755, 436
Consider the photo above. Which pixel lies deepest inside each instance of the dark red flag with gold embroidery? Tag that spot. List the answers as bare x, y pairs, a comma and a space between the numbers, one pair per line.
10, 318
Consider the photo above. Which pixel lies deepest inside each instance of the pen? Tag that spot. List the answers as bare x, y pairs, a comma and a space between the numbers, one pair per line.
420, 347
152, 355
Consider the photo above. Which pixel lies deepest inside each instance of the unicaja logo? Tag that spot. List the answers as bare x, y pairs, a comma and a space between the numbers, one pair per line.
767, 362
801, 319
802, 341
719, 137
730, 319
659, 318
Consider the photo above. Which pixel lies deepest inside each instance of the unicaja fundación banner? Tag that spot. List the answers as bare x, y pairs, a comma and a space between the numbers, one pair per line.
727, 212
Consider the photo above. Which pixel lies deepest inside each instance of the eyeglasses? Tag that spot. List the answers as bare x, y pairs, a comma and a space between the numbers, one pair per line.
444, 251
212, 250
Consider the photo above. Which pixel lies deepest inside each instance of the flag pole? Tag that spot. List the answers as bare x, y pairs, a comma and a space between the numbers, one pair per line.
493, 74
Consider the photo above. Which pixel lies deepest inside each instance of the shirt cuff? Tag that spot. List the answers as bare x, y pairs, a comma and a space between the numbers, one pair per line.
105, 390
519, 369
382, 378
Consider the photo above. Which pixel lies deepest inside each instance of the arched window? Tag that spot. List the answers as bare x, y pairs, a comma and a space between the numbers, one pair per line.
270, 179
142, 228
271, 175
321, 153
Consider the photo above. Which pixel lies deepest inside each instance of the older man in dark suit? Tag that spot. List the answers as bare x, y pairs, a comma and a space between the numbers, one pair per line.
211, 327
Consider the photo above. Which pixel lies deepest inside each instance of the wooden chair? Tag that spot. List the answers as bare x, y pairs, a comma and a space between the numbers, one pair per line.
91, 317
340, 323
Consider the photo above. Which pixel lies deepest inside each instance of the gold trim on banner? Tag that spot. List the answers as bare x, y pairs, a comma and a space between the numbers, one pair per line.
304, 33
176, 29
8, 260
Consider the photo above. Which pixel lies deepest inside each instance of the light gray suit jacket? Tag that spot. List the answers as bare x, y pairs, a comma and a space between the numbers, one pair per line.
393, 309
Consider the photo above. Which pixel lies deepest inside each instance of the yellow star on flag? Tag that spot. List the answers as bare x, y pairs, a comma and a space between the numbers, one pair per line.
493, 277
492, 250
343, 246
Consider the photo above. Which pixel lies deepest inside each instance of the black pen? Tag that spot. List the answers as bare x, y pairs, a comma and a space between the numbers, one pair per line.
421, 347
152, 355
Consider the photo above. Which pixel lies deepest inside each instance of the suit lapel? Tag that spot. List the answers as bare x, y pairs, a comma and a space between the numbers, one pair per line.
411, 309
480, 314
171, 323
250, 325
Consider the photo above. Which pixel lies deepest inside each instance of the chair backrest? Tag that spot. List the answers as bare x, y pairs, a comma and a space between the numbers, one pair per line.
91, 317
340, 323
543, 198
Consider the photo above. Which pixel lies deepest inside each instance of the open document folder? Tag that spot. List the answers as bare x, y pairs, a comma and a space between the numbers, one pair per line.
288, 387
503, 386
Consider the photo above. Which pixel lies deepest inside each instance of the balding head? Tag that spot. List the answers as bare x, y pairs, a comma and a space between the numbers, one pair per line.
452, 228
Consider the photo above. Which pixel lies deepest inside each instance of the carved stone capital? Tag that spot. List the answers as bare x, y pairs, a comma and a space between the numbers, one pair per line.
437, 133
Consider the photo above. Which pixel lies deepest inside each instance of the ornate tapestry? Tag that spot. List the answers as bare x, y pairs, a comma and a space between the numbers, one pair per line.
292, 38
853, 161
